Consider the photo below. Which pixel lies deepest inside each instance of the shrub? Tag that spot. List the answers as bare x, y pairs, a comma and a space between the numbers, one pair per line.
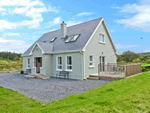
144, 69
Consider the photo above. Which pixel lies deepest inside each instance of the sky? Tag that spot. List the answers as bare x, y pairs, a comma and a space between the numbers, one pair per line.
22, 22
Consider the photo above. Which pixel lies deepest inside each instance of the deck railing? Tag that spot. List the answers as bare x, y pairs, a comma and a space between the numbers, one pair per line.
119, 70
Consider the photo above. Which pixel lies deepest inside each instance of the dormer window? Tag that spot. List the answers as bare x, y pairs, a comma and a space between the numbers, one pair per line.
53, 39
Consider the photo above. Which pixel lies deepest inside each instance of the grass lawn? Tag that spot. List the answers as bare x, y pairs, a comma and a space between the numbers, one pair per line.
145, 64
127, 95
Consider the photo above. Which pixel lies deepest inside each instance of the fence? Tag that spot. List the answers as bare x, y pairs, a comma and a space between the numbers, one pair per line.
119, 70
132, 69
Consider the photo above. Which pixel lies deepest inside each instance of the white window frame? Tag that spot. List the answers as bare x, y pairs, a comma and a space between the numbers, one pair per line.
71, 63
59, 64
101, 38
28, 65
105, 62
91, 61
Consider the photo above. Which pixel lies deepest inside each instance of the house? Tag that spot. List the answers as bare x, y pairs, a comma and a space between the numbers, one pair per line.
77, 49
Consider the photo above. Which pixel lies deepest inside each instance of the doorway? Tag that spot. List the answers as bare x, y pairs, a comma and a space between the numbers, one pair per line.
102, 62
38, 64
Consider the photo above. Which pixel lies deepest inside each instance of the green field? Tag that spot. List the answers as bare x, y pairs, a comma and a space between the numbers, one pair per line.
130, 95
10, 66
4, 62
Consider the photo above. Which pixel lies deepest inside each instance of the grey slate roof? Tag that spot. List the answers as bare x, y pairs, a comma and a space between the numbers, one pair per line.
46, 47
84, 29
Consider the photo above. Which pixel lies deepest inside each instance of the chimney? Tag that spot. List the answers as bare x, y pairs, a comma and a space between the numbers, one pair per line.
63, 30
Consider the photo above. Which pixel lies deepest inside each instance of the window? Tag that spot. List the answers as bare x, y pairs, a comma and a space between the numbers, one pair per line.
69, 38
102, 38
53, 39
91, 61
28, 64
59, 63
69, 62
72, 38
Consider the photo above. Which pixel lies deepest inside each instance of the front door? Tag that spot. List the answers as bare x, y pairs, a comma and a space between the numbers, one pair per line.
38, 64
102, 62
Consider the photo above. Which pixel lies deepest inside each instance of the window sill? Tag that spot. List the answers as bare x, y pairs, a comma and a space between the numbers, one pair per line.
41, 67
102, 42
58, 69
28, 68
91, 66
69, 70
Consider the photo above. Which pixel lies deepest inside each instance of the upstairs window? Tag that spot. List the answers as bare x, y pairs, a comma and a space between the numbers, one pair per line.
102, 39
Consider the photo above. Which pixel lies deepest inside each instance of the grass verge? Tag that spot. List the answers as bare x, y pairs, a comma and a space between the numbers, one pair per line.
126, 95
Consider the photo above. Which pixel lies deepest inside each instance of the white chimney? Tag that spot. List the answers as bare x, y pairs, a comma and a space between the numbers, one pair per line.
63, 30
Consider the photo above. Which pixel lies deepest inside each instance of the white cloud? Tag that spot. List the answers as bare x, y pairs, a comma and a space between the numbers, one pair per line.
146, 50
119, 46
4, 24
28, 8
2, 9
53, 23
10, 34
18, 46
112, 31
139, 18
32, 38
21, 3
84, 13
70, 23
116, 7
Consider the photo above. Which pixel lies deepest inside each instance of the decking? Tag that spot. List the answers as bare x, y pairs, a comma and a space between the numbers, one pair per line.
115, 71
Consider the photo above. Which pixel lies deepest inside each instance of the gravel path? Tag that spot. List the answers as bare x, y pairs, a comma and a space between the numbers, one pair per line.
49, 89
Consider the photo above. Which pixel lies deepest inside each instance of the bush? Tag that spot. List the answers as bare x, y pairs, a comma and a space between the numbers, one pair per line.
144, 69
148, 61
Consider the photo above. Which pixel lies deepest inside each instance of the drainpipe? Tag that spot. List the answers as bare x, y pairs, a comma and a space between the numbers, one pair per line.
82, 52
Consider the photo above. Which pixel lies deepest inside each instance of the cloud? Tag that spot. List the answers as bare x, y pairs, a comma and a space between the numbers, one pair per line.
70, 23
21, 3
2, 9
84, 13
139, 16
32, 38
4, 24
119, 46
10, 34
53, 23
146, 50
115, 7
18, 46
112, 31
29, 8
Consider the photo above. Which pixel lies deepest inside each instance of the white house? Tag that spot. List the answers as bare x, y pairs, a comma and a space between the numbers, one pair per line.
77, 49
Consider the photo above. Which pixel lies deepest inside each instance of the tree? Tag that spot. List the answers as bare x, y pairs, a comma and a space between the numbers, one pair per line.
129, 56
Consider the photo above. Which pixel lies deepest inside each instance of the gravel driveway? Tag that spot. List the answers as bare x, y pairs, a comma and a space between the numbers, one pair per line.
49, 89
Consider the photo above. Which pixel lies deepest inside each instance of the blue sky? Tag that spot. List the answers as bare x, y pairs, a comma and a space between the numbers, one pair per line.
22, 22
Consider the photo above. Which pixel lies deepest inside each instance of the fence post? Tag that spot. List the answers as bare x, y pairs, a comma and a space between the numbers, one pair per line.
125, 70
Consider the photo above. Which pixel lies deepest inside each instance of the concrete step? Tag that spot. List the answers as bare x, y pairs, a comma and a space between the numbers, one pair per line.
93, 78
